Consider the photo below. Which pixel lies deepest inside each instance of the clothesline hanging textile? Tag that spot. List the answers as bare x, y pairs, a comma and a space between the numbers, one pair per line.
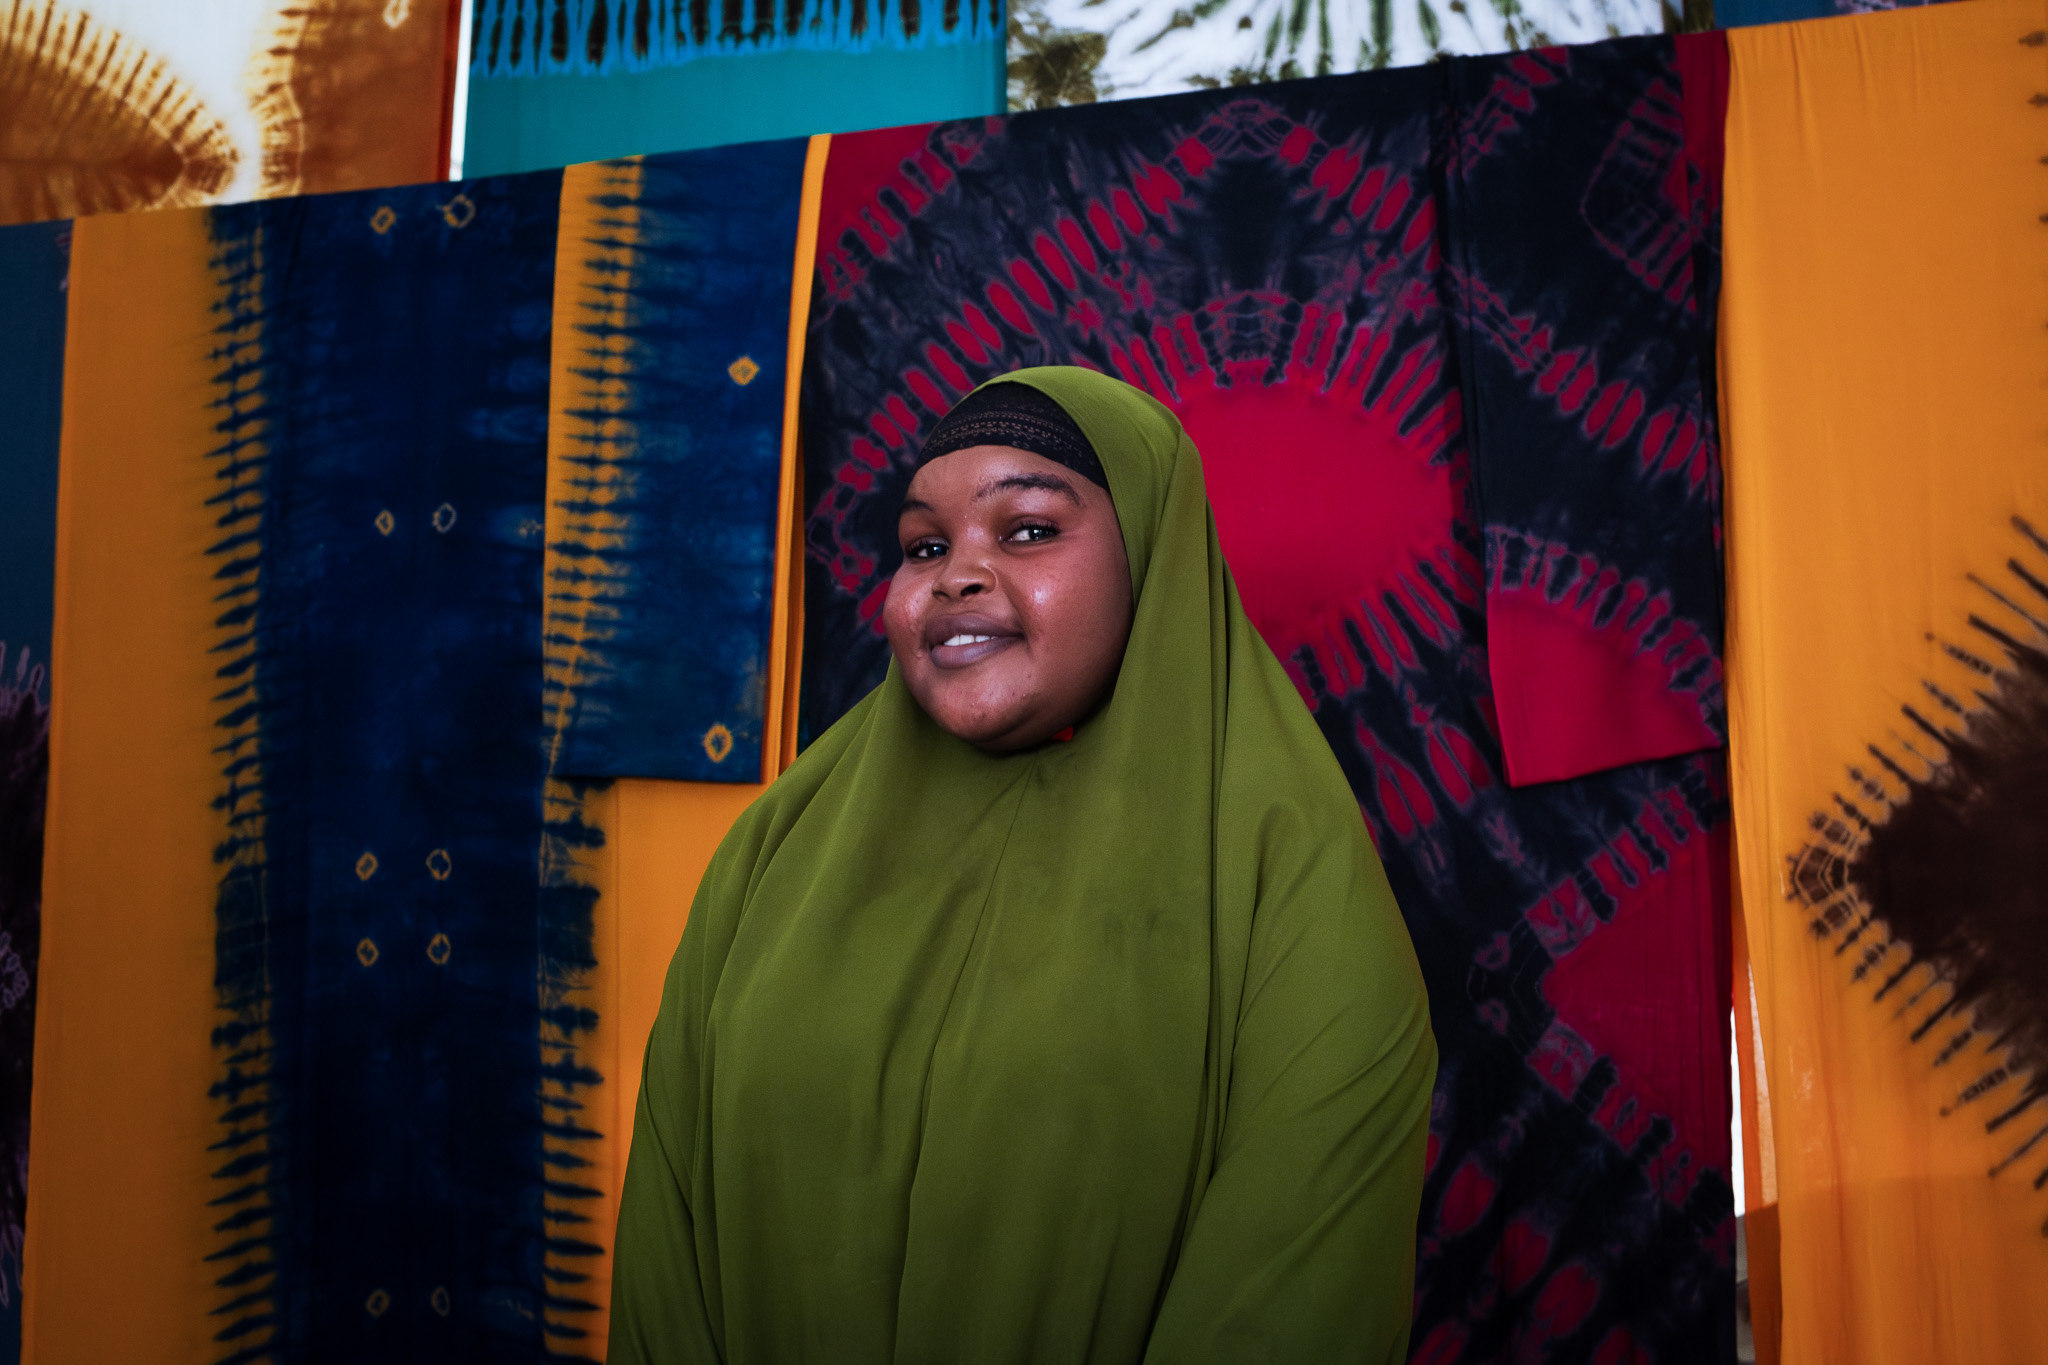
112, 105
1585, 282
554, 81
1888, 659
1268, 264
1080, 51
599, 37
365, 990
667, 438
359, 489
33, 263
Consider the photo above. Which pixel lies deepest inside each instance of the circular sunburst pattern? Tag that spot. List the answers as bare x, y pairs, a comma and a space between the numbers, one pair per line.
91, 122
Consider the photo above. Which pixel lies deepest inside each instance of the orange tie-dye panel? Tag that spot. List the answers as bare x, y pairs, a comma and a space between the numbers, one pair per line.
130, 104
1885, 349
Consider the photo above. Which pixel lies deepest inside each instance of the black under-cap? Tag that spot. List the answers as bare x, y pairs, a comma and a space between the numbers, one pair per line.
1018, 416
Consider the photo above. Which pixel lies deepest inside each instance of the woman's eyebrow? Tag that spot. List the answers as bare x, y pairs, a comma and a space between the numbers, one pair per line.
1051, 483
914, 505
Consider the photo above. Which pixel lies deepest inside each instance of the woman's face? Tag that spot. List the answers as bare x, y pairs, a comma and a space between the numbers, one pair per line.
1010, 612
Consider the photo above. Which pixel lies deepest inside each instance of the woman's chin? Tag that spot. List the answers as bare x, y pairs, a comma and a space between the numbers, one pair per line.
999, 735
997, 729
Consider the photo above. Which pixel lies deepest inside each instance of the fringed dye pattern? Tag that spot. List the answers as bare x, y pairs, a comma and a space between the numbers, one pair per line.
152, 105
599, 37
386, 1162
132, 135
1925, 875
1271, 264
577, 1213
666, 461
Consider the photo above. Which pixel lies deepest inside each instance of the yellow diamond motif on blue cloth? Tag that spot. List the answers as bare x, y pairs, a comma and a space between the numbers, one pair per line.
743, 370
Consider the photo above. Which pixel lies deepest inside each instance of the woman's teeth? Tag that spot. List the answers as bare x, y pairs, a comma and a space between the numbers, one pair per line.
968, 639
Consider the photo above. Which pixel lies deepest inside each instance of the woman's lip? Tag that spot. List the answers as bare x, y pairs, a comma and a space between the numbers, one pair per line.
960, 656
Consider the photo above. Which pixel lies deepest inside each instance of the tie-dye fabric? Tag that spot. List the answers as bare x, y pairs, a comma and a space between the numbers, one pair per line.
129, 104
1888, 667
1584, 271
33, 262
1269, 264
380, 926
378, 506
1075, 51
555, 81
667, 449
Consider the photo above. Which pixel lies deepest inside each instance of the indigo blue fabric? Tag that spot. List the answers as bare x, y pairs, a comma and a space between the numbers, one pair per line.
661, 598
388, 1170
558, 81
34, 260
1275, 264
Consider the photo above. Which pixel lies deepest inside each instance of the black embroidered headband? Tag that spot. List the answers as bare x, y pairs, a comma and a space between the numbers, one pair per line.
1018, 416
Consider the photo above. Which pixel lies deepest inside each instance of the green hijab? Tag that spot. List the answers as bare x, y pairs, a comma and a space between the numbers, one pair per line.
1113, 1050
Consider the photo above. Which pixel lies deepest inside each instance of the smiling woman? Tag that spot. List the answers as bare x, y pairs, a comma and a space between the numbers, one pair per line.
985, 1046
1009, 615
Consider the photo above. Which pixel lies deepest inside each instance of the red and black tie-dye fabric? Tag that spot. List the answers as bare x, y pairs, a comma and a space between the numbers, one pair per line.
1584, 268
1281, 267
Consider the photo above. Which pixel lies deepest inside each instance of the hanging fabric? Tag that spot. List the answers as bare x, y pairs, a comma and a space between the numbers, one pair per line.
1888, 664
33, 264
555, 81
1266, 262
666, 456
351, 971
111, 105
1585, 282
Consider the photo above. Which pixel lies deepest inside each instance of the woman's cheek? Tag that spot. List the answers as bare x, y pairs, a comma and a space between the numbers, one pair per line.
898, 615
1043, 603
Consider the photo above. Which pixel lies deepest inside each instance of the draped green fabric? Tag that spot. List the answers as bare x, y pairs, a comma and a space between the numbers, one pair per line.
1113, 1050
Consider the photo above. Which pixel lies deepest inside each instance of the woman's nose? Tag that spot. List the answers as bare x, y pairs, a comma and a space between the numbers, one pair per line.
965, 575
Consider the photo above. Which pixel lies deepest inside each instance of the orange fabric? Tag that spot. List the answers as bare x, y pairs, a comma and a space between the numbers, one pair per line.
1885, 291
154, 104
121, 1116
787, 665
658, 836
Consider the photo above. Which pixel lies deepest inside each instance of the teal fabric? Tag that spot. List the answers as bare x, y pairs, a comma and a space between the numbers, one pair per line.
528, 122
1108, 1051
33, 262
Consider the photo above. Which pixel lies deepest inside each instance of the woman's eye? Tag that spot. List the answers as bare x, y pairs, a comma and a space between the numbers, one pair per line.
1033, 532
926, 549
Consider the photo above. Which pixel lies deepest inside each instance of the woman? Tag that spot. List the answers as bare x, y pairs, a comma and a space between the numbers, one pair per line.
1053, 1005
